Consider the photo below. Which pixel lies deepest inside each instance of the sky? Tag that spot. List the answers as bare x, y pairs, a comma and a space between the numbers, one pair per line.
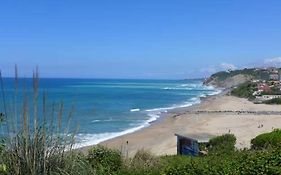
147, 39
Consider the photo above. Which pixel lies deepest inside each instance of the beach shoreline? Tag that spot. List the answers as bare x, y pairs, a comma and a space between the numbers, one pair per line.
194, 93
162, 116
214, 115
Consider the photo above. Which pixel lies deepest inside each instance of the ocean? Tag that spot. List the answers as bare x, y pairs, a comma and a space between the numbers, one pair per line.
107, 108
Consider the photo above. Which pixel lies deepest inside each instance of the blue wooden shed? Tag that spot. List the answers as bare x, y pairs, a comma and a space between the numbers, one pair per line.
189, 145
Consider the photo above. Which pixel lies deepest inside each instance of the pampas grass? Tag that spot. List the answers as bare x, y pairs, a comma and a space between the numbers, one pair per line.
39, 144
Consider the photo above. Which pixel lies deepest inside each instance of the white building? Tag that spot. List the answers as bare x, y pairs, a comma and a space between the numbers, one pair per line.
274, 77
268, 97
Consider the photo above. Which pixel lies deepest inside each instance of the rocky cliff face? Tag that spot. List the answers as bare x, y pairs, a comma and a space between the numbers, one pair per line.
229, 79
228, 82
234, 78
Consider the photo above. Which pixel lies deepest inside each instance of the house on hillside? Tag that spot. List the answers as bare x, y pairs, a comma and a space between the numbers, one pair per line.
267, 97
272, 70
263, 87
274, 77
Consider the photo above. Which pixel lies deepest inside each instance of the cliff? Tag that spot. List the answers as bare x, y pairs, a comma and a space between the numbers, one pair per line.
229, 79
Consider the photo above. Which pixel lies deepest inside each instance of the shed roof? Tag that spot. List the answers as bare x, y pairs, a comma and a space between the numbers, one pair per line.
201, 137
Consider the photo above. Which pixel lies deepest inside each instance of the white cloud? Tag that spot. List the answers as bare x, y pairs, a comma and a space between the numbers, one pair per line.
227, 66
216, 68
269, 62
208, 70
275, 62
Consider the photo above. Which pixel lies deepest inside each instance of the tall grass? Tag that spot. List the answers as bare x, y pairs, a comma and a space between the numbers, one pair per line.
35, 141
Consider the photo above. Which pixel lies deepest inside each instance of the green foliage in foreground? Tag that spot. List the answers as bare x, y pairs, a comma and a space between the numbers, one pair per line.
276, 101
103, 161
242, 162
245, 90
228, 161
36, 151
222, 144
267, 140
105, 158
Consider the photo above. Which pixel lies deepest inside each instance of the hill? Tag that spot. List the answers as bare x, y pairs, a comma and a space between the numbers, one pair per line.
228, 79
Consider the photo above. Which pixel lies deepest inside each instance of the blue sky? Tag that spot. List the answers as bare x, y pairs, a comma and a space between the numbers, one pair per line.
138, 39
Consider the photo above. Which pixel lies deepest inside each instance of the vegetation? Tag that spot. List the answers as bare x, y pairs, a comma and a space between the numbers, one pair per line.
275, 101
43, 147
222, 144
105, 159
267, 140
242, 162
142, 163
245, 90
254, 73
35, 146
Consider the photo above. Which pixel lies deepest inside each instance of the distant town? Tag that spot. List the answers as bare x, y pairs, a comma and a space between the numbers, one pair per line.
260, 85
268, 89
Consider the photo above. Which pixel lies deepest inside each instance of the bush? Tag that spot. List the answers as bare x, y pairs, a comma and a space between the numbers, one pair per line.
259, 162
267, 140
244, 162
222, 144
76, 163
212, 164
276, 101
142, 163
143, 159
245, 90
101, 157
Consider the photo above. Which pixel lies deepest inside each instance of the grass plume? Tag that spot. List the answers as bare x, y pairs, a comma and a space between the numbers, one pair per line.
37, 145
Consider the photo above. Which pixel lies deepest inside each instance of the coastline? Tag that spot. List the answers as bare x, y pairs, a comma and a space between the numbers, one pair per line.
159, 137
161, 116
156, 114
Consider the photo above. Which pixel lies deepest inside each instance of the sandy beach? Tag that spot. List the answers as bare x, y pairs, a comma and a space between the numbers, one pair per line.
159, 138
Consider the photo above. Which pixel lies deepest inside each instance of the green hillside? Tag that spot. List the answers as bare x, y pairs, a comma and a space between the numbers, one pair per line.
236, 77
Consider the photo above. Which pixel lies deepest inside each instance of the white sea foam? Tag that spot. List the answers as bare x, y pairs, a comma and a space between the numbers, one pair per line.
193, 86
93, 139
216, 92
177, 88
96, 121
154, 114
106, 120
135, 110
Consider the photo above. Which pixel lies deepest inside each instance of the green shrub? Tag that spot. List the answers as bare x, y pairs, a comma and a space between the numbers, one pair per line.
3, 166
143, 159
177, 165
259, 162
222, 144
267, 140
276, 101
245, 90
142, 163
76, 163
213, 164
101, 157
246, 162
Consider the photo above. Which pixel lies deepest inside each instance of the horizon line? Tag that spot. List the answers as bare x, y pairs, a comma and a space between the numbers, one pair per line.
113, 78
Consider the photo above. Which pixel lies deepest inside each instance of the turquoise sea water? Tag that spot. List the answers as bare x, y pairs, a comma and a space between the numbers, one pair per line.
107, 108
